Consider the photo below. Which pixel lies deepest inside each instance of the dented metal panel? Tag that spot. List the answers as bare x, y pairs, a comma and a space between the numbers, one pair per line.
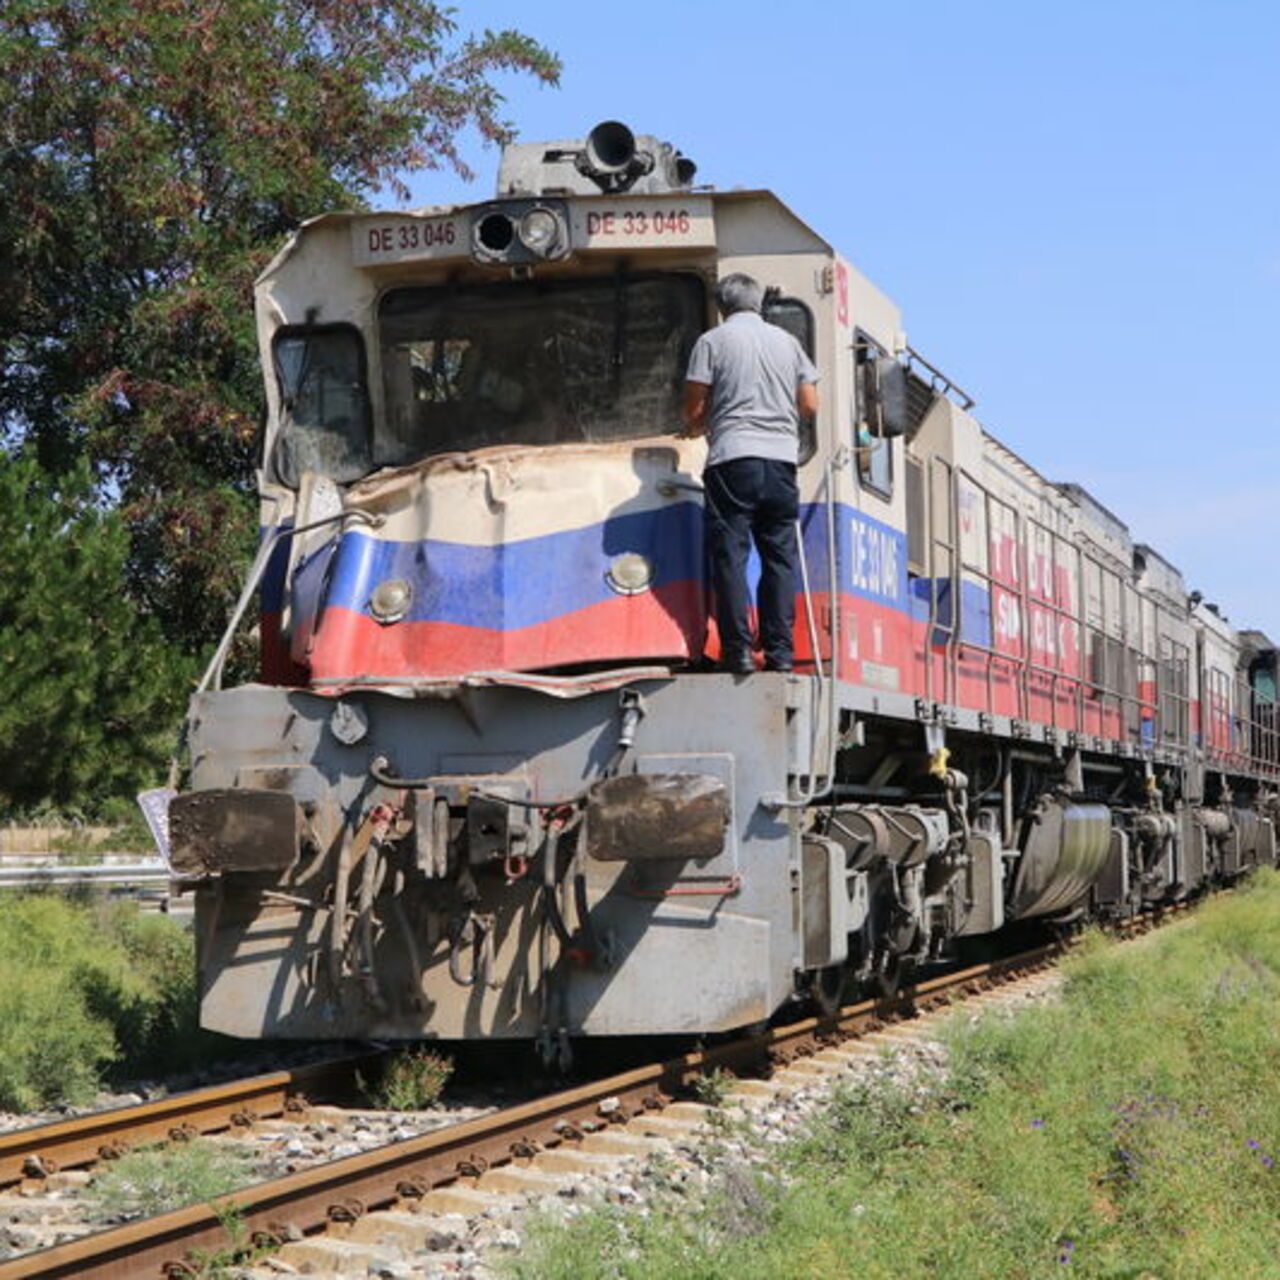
508, 565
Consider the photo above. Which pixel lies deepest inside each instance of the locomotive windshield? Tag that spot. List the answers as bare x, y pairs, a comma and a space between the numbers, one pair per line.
533, 362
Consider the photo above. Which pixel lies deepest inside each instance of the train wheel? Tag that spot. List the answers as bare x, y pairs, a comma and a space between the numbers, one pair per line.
892, 974
827, 988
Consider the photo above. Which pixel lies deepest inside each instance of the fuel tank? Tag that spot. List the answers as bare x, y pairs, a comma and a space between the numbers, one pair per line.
1064, 851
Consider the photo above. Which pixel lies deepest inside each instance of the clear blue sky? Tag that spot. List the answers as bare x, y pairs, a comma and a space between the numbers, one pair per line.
1077, 207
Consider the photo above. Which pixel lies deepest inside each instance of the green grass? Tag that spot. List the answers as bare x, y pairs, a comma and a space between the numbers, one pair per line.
90, 992
412, 1080
126, 828
158, 1179
713, 1088
1130, 1130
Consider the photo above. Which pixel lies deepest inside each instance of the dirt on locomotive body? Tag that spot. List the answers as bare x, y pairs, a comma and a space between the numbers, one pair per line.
490, 785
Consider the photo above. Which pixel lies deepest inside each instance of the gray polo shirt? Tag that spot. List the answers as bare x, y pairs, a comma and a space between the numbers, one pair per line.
753, 369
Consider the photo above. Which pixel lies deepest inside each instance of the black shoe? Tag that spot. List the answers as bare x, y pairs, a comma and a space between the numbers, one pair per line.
781, 665
743, 666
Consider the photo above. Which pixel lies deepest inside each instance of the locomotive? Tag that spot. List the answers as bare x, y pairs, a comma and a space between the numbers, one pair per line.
491, 786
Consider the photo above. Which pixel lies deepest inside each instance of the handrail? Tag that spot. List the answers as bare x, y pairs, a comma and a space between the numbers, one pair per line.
811, 791
935, 542
1237, 728
1107, 630
808, 603
212, 678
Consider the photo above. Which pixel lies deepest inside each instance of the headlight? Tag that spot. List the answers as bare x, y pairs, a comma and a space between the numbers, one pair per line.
630, 573
540, 232
522, 231
391, 600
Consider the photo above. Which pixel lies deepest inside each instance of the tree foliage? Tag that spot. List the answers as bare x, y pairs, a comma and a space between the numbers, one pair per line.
153, 155
89, 691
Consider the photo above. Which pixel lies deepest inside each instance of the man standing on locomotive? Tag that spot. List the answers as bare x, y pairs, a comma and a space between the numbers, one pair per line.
747, 387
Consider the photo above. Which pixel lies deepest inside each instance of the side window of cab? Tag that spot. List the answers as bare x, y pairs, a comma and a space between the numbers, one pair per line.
792, 315
873, 453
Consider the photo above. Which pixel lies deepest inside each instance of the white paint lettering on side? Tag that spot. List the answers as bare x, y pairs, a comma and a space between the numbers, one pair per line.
874, 560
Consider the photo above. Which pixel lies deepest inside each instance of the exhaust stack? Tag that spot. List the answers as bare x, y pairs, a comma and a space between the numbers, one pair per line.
611, 159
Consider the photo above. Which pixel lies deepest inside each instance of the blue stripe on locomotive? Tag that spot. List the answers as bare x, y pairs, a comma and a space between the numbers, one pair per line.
523, 583
518, 584
873, 561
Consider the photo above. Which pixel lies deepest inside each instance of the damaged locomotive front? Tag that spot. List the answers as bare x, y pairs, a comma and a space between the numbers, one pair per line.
491, 785
474, 794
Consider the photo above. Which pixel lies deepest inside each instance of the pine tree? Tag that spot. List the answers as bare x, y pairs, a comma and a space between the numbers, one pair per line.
90, 693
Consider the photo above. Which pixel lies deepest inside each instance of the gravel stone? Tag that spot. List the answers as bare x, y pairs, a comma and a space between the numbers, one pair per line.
444, 1239
392, 1270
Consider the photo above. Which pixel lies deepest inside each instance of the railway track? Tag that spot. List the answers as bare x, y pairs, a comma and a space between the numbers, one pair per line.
496, 1152
33, 1154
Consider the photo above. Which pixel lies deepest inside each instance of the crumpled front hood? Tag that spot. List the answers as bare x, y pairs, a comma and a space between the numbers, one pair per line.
505, 557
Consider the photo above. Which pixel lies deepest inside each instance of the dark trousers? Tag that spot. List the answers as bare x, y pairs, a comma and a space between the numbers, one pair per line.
753, 499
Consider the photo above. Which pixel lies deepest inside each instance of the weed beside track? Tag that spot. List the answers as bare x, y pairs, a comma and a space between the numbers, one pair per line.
1131, 1127
91, 992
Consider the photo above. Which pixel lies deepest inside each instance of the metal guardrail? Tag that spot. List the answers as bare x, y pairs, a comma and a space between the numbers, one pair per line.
58, 876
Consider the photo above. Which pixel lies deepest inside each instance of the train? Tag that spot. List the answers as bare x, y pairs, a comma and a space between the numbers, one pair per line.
489, 784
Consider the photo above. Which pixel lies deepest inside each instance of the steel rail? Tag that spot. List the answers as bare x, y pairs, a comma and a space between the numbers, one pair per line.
305, 1202
67, 1144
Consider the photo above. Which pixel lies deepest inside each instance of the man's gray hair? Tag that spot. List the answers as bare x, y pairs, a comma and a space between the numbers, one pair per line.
739, 292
